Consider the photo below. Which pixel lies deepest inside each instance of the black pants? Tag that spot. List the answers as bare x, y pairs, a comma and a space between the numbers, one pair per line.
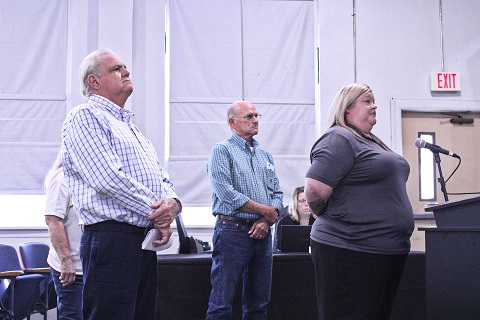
120, 279
355, 285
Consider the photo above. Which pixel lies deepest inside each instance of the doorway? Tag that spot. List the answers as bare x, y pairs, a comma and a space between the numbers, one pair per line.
432, 106
462, 139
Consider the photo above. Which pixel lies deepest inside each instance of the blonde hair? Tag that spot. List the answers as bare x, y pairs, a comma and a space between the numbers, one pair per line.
293, 205
344, 100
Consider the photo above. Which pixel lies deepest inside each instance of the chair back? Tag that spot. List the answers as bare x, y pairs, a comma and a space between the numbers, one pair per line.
18, 294
34, 254
9, 258
8, 262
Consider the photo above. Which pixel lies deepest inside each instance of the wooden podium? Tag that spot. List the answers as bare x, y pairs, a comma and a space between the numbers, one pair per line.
452, 260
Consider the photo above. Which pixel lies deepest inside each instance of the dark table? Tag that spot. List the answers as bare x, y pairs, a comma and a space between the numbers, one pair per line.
184, 288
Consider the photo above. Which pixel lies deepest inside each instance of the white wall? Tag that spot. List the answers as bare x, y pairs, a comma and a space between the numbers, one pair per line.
398, 45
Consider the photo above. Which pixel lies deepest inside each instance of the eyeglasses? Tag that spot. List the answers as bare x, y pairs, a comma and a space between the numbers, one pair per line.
250, 116
302, 201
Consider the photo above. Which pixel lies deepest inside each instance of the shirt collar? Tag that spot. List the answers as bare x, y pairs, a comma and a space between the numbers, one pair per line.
119, 113
372, 136
244, 143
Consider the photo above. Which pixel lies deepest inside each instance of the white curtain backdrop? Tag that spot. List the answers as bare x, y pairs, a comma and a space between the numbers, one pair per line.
33, 60
220, 51
223, 51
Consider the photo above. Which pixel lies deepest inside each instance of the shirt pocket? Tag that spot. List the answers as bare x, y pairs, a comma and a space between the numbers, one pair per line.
270, 181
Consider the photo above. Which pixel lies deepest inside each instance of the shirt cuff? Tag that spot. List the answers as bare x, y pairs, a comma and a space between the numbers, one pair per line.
179, 205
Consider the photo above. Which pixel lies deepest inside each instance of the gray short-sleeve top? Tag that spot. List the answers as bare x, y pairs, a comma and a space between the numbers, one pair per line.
369, 210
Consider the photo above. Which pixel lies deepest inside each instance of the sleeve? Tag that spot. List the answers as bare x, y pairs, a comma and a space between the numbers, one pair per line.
92, 157
168, 191
277, 195
220, 172
332, 158
57, 197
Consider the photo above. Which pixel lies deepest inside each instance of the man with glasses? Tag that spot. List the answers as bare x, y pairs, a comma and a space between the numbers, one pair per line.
246, 199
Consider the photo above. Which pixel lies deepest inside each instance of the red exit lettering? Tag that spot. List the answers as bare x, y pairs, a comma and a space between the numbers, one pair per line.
446, 80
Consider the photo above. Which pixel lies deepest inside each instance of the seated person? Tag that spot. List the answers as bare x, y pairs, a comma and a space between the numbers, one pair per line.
298, 214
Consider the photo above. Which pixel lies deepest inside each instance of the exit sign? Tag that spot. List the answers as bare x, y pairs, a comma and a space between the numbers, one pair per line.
445, 81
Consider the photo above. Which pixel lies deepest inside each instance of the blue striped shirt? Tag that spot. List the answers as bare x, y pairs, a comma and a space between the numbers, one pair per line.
239, 173
112, 170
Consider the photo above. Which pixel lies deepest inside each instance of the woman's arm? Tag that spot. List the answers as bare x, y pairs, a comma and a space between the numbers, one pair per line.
317, 194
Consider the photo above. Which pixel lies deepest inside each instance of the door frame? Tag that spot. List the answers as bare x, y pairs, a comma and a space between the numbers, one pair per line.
397, 105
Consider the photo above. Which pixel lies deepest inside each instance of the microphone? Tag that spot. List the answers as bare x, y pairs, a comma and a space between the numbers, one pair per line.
421, 143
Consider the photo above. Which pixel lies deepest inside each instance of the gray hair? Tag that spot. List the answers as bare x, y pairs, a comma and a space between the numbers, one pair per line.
235, 107
232, 110
90, 65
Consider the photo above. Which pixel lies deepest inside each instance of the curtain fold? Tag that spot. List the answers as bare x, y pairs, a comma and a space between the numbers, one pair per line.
261, 51
33, 39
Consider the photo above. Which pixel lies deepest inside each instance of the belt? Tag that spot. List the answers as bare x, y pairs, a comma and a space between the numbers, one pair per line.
112, 225
242, 221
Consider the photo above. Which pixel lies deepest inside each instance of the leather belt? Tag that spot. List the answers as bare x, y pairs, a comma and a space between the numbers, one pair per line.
242, 221
112, 225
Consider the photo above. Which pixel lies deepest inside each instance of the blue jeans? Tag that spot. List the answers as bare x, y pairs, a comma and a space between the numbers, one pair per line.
236, 256
69, 298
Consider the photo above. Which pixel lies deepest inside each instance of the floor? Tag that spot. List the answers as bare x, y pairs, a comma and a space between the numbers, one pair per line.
52, 315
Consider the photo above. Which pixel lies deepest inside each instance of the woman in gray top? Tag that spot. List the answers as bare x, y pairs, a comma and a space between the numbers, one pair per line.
357, 187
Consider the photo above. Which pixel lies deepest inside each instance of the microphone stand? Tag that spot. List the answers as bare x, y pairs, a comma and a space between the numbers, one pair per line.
441, 180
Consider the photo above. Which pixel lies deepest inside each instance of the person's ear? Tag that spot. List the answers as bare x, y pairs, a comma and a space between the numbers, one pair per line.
93, 82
